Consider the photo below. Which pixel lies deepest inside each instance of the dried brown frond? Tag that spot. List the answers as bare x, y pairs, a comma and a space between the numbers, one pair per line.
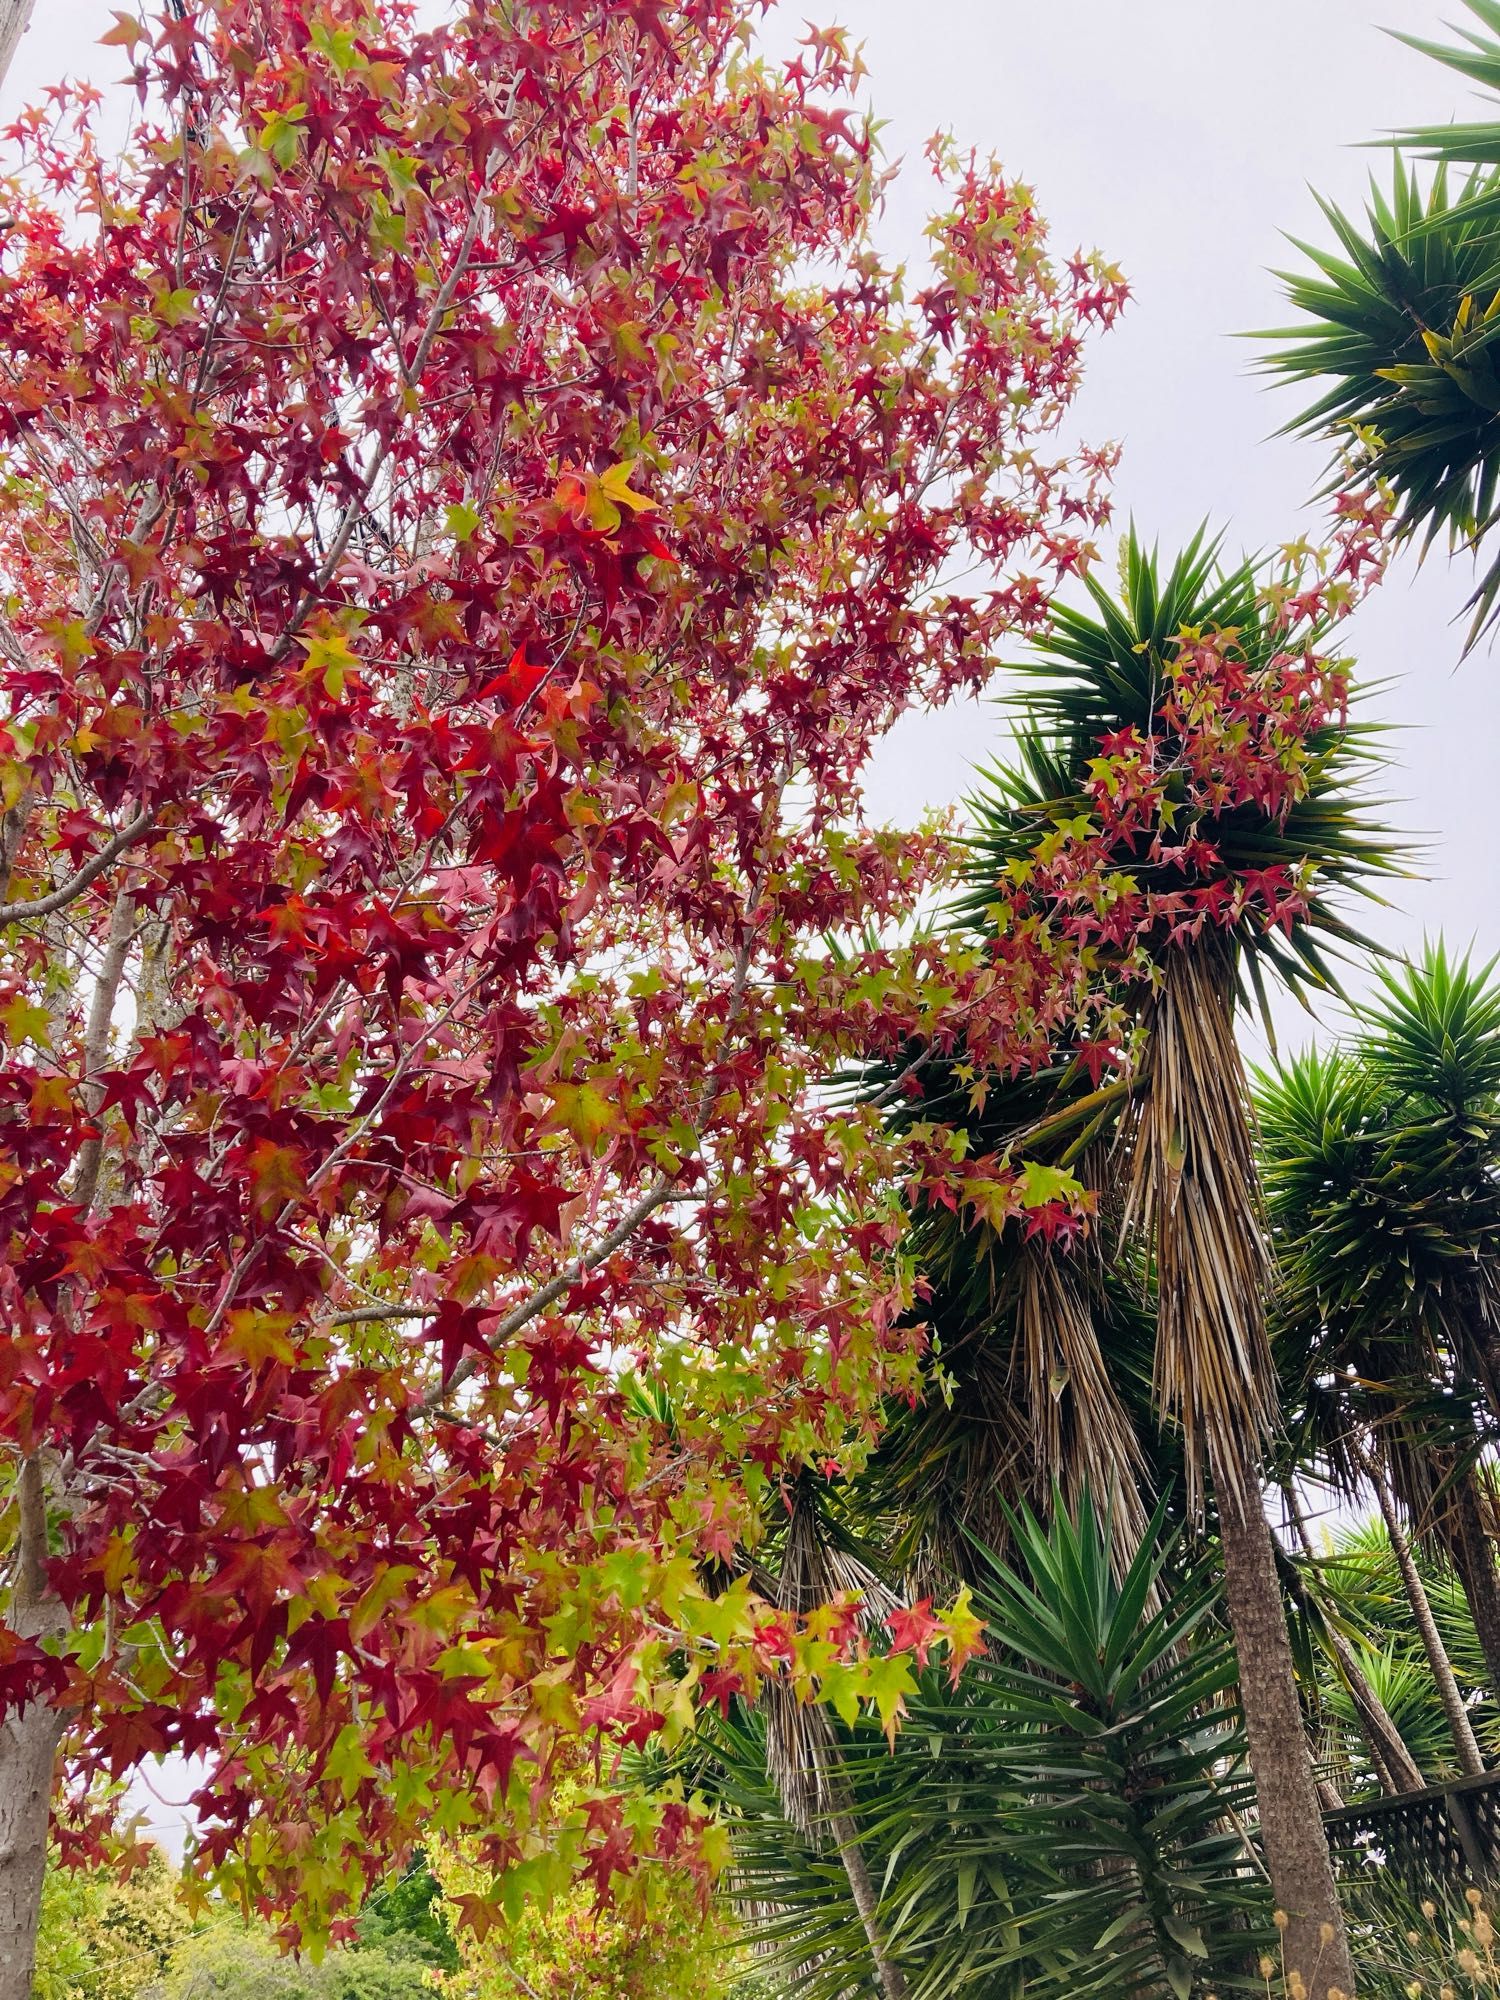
1082, 1437
1194, 1197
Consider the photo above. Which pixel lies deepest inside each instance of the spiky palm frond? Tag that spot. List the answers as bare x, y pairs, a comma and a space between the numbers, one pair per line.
1100, 671
1399, 1676
1359, 1575
1434, 1035
1403, 325
1476, 56
1065, 1822
1382, 1172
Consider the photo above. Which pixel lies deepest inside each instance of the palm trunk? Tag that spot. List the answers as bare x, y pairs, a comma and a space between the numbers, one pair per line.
803, 1754
1470, 1551
1194, 1186
14, 18
1291, 1817
1454, 1707
28, 1750
889, 1976
1394, 1765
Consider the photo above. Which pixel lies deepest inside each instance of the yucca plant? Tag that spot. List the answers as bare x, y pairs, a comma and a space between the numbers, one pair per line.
1382, 1170
1357, 1569
1102, 674
1402, 321
1068, 1821
1040, 1373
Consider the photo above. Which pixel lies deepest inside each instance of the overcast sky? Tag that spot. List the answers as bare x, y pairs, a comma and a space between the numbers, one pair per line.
1180, 137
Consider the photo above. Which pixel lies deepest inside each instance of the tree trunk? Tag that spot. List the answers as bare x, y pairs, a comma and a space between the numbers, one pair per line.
1194, 1187
890, 1978
1473, 1557
1291, 1819
14, 17
28, 1750
1394, 1764
1470, 1761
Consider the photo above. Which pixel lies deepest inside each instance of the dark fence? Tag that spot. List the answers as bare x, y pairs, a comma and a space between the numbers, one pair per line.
1447, 1836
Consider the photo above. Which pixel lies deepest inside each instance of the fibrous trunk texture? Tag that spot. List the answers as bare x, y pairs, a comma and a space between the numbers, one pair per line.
1082, 1437
1194, 1194
1291, 1818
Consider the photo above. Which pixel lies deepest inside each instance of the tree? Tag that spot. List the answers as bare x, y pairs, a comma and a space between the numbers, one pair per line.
103, 1939
1382, 1168
663, 1945
1230, 781
473, 498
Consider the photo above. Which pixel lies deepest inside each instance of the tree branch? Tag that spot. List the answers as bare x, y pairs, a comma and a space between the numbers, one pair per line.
92, 869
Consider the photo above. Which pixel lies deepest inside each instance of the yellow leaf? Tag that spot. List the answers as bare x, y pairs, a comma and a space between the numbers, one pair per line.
616, 484
585, 1113
26, 1021
258, 1337
371, 1608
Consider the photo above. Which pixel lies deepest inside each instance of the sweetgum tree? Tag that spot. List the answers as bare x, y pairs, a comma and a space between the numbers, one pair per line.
473, 499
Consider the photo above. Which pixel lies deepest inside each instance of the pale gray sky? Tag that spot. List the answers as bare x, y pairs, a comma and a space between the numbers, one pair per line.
1180, 137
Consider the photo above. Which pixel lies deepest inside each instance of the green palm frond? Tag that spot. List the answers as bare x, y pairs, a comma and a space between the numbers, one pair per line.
1067, 1821
1381, 1164
1402, 323
1476, 56
1101, 671
1359, 1577
1434, 1035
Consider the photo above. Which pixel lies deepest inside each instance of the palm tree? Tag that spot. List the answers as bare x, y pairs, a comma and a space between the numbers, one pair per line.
1402, 323
1382, 1168
1192, 1191
814, 1562
806, 1556
1040, 1373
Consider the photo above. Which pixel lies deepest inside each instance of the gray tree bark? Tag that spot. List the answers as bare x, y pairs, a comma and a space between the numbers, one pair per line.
28, 1750
15, 16
1291, 1816
1462, 1730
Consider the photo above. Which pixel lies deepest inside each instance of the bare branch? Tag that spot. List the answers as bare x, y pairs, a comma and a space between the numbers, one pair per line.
92, 869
